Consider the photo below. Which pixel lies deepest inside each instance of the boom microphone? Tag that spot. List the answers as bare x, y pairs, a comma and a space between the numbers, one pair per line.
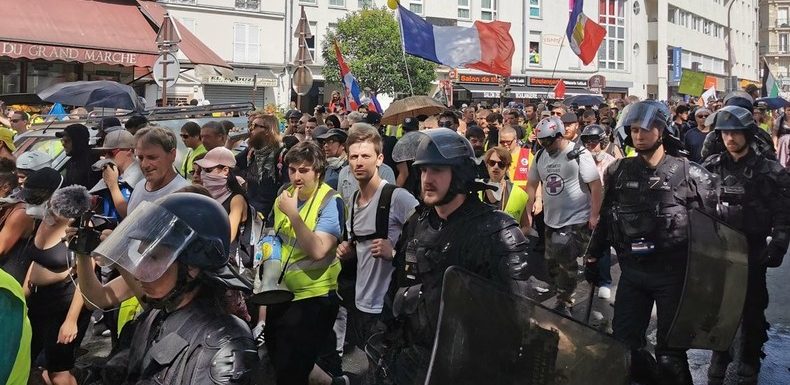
71, 201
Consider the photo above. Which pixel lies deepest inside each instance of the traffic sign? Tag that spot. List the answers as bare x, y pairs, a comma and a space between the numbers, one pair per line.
166, 69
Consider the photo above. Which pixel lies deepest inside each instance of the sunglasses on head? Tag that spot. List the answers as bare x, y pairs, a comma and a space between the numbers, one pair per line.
492, 163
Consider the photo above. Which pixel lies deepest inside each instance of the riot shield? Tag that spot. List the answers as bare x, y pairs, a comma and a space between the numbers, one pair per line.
715, 288
486, 335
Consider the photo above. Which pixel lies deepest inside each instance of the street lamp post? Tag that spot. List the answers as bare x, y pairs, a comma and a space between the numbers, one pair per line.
730, 53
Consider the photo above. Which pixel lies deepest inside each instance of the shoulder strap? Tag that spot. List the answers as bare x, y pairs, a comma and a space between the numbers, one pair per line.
383, 210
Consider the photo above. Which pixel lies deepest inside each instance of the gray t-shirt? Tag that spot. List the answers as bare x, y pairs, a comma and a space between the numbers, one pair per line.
566, 201
347, 184
141, 194
374, 274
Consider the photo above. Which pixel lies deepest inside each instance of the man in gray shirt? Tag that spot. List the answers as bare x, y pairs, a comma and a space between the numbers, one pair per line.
373, 251
571, 190
156, 152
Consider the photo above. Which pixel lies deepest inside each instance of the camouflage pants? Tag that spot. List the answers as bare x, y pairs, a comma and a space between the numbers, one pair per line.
563, 246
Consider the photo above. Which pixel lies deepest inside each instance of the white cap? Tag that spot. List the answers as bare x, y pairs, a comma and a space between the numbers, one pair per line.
33, 160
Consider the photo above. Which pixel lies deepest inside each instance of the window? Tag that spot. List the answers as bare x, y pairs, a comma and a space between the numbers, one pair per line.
246, 43
611, 54
366, 4
783, 41
307, 2
463, 9
311, 42
10, 74
415, 6
673, 15
337, 3
781, 17
250, 5
488, 9
535, 39
534, 9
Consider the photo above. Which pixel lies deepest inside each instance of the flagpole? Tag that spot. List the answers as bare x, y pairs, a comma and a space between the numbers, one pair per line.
403, 50
557, 60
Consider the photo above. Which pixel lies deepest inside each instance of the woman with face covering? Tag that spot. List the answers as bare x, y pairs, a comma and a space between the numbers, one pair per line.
16, 228
55, 305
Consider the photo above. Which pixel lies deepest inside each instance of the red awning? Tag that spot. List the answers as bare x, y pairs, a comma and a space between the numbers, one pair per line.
90, 31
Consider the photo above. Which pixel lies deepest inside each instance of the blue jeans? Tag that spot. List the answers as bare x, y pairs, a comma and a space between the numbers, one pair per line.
605, 268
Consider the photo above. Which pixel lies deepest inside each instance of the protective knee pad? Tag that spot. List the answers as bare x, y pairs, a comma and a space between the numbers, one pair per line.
673, 370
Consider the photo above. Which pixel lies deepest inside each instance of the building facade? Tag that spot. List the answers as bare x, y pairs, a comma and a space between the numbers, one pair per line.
646, 40
775, 39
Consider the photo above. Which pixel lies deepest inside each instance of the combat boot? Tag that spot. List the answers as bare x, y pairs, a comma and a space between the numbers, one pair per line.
718, 367
748, 373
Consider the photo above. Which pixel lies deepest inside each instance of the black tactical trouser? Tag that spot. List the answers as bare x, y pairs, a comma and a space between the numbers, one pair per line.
657, 279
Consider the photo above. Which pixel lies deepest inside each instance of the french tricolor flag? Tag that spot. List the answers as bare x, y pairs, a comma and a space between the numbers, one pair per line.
487, 47
584, 35
349, 82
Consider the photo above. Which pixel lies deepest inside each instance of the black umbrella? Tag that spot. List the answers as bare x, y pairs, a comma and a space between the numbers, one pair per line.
100, 93
774, 103
583, 100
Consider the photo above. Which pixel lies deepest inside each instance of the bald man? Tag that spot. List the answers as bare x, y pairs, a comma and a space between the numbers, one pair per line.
519, 167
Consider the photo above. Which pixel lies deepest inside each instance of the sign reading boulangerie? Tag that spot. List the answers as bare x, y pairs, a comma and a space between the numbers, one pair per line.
73, 54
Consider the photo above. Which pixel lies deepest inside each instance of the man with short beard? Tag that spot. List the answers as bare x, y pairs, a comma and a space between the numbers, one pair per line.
260, 163
477, 139
437, 237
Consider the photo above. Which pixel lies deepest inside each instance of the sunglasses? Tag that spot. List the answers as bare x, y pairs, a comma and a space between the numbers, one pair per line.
492, 163
702, 116
256, 125
506, 143
591, 140
185, 136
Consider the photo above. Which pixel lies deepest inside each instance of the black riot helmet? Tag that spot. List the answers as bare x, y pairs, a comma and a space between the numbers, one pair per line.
188, 228
732, 118
741, 99
444, 147
647, 115
594, 131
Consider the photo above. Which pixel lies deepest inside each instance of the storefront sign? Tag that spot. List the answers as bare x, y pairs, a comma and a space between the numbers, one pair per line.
491, 79
550, 82
596, 82
553, 40
512, 94
241, 81
71, 54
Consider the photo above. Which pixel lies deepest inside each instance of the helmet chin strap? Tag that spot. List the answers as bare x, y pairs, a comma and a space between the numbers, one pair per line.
172, 299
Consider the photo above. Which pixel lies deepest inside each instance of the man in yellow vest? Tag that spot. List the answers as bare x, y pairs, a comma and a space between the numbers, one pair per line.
307, 220
15, 333
511, 200
519, 169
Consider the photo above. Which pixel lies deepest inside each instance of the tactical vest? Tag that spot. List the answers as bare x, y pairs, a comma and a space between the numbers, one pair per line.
650, 205
744, 193
305, 277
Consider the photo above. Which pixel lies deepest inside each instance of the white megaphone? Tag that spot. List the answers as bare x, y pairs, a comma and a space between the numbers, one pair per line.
268, 288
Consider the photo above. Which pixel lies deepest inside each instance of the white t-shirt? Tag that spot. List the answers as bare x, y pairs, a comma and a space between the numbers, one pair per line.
565, 201
374, 274
141, 194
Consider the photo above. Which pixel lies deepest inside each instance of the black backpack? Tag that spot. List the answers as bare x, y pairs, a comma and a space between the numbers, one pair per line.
382, 215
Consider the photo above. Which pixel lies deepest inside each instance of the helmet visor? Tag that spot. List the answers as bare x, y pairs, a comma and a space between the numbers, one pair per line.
146, 243
406, 147
642, 115
449, 143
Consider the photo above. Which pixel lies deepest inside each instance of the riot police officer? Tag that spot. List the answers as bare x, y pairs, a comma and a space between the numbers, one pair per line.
754, 199
452, 228
644, 216
178, 248
761, 141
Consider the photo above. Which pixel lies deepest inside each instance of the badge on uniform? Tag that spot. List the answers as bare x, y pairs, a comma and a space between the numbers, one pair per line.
642, 247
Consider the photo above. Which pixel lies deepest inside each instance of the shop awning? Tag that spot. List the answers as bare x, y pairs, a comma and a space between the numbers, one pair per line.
490, 91
120, 32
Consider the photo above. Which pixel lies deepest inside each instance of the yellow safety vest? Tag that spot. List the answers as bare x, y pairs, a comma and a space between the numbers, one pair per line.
128, 311
17, 371
516, 201
305, 277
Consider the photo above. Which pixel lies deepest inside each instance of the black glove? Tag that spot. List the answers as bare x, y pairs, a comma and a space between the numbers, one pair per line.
773, 254
592, 272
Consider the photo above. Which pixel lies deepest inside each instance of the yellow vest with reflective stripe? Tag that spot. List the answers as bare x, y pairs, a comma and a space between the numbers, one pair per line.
20, 368
128, 311
305, 277
516, 201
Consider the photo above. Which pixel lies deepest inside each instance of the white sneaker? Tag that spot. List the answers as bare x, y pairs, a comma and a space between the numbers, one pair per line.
604, 292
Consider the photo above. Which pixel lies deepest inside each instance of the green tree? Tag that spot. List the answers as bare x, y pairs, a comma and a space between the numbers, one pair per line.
369, 40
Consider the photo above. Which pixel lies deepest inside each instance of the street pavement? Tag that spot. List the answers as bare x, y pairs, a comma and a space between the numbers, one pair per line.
775, 368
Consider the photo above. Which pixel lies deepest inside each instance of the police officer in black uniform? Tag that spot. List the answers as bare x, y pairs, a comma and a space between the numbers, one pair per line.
178, 248
644, 216
761, 141
755, 199
452, 228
